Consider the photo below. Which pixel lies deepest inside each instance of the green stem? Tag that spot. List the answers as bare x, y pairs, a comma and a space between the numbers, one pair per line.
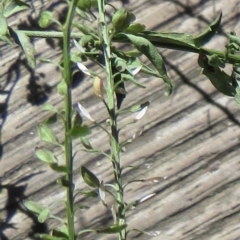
113, 119
68, 114
221, 54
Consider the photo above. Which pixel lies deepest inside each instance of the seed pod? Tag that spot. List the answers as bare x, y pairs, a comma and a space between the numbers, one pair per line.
122, 19
86, 5
45, 19
98, 87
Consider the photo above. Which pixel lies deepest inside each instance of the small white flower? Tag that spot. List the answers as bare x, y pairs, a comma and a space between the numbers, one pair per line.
135, 71
140, 114
102, 193
84, 112
145, 198
78, 46
84, 69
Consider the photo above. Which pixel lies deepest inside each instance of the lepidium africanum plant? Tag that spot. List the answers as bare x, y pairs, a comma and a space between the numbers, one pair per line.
94, 41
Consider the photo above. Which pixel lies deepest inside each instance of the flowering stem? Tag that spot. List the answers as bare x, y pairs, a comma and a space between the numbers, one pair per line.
113, 119
68, 114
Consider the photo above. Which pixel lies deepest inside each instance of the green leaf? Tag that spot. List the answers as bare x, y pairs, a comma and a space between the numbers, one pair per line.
215, 61
43, 215
147, 48
6, 39
237, 95
112, 229
76, 118
138, 107
51, 119
46, 134
85, 231
208, 33
89, 177
49, 237
63, 182
170, 39
14, 6
27, 47
128, 76
80, 131
49, 107
90, 193
134, 62
3, 25
62, 87
61, 232
85, 29
45, 155
33, 206
86, 143
59, 168
220, 80
135, 28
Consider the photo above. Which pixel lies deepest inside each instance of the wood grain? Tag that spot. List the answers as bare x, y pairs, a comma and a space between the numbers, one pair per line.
190, 137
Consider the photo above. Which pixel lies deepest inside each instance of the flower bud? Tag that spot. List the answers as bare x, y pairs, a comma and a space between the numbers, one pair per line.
122, 19
86, 5
45, 19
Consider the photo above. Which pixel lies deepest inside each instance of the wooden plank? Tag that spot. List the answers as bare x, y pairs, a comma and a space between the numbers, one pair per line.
191, 138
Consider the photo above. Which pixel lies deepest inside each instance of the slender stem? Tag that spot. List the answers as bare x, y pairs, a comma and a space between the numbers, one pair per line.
68, 114
49, 34
113, 119
221, 54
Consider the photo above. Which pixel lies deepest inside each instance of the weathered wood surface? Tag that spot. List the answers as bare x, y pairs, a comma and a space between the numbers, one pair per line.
191, 137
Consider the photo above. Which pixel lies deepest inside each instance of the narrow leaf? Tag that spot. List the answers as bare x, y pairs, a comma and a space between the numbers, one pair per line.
61, 233
3, 24
112, 229
46, 134
62, 87
150, 233
89, 177
45, 155
33, 206
27, 47
14, 6
49, 237
90, 193
85, 231
49, 107
63, 182
79, 131
138, 107
43, 216
209, 32
135, 28
170, 40
59, 168
86, 143
220, 80
147, 48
